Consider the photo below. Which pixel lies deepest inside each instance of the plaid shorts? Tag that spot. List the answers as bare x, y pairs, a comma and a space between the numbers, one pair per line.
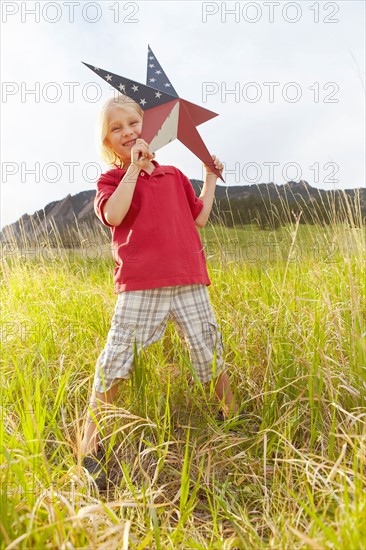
141, 317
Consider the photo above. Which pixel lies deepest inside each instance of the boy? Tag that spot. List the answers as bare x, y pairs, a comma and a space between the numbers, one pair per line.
160, 272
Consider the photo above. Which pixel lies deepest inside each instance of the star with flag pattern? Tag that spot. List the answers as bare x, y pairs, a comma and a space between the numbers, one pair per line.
166, 115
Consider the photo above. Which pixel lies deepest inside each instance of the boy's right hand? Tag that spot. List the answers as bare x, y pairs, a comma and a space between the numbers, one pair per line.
140, 154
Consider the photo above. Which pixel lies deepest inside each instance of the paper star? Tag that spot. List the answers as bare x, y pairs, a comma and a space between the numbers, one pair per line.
166, 115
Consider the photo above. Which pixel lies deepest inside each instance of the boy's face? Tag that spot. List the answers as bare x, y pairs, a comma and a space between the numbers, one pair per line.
124, 127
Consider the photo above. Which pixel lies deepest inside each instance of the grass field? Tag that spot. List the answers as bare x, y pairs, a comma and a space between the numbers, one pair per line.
291, 306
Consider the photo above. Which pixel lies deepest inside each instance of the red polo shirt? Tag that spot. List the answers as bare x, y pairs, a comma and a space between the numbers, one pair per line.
157, 244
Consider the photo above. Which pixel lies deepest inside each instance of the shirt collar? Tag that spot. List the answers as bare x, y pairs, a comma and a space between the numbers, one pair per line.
159, 170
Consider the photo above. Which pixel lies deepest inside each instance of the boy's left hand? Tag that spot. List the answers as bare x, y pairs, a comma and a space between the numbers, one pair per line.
218, 165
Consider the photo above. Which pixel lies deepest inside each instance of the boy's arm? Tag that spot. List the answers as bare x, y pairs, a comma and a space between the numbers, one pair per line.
208, 192
118, 204
207, 196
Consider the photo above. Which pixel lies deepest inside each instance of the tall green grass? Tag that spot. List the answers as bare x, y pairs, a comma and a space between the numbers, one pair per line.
291, 307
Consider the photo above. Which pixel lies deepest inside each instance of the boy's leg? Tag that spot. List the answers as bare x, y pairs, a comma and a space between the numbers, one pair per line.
195, 318
225, 395
140, 317
91, 437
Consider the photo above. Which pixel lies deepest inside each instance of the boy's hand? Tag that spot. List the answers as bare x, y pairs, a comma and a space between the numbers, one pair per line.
218, 165
140, 154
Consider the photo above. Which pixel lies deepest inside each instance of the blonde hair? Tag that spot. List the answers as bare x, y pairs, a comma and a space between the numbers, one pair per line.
105, 150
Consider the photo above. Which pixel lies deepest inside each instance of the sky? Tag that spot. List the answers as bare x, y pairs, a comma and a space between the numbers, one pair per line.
287, 80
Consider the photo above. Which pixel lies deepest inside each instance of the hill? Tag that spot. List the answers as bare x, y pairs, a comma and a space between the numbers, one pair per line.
266, 204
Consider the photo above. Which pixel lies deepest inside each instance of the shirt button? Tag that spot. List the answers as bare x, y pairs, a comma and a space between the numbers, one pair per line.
142, 173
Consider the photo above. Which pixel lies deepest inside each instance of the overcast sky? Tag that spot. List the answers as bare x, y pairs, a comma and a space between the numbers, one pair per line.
295, 71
